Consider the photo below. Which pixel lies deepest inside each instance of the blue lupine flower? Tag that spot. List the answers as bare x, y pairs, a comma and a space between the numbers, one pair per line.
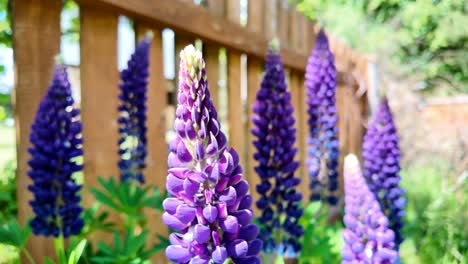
367, 236
56, 143
209, 207
381, 166
323, 144
275, 137
132, 121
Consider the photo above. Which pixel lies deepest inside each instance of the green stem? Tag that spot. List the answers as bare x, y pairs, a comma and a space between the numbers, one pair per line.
59, 245
28, 255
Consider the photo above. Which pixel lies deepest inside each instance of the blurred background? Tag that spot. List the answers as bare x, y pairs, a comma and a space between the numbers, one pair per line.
419, 60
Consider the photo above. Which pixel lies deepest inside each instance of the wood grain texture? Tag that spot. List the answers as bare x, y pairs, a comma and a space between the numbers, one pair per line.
99, 99
283, 22
197, 21
255, 16
254, 78
211, 56
270, 19
216, 7
156, 167
36, 40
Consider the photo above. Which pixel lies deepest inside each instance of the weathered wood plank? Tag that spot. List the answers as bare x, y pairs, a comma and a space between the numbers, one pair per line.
255, 16
198, 22
254, 74
216, 7
36, 40
270, 22
99, 99
156, 169
211, 55
283, 22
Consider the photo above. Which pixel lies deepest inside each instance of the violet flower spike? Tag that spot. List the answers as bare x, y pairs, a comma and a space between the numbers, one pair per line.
132, 110
275, 136
56, 143
323, 145
381, 155
209, 206
367, 236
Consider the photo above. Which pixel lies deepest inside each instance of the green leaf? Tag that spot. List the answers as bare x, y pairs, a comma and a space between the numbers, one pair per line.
76, 253
12, 234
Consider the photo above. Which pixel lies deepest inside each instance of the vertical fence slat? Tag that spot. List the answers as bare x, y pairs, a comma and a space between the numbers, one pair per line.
270, 24
254, 72
294, 33
255, 16
216, 7
310, 36
341, 103
283, 22
99, 80
211, 55
235, 106
156, 171
36, 40
304, 135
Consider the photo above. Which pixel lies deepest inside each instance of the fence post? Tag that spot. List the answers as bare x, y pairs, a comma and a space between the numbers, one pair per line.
36, 40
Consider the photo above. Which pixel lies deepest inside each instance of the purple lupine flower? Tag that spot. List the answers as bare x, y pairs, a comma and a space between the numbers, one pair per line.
367, 237
209, 206
56, 143
132, 108
275, 137
381, 156
323, 145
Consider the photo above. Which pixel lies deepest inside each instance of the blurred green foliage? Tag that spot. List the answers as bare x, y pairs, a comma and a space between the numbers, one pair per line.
426, 39
437, 214
8, 206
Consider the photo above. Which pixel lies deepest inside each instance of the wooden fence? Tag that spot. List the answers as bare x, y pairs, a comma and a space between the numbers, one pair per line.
36, 28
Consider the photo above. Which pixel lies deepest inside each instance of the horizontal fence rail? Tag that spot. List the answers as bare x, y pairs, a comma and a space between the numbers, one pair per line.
233, 48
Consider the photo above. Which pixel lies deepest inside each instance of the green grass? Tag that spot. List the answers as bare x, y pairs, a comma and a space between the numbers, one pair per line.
7, 144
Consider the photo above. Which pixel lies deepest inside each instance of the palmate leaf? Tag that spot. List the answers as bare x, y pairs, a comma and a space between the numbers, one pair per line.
127, 198
14, 235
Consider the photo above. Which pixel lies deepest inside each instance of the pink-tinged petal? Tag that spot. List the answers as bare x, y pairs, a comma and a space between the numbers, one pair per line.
199, 260
246, 202
228, 196
236, 178
173, 160
201, 233
222, 210
185, 213
241, 188
244, 217
174, 185
238, 248
230, 225
210, 213
212, 147
176, 239
191, 187
196, 176
219, 255
199, 150
170, 204
178, 172
183, 153
248, 232
213, 172
209, 196
200, 218
172, 221
222, 184
178, 254
189, 130
216, 238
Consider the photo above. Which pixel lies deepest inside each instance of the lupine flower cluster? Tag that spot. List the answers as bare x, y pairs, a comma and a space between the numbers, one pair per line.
323, 144
275, 137
381, 156
367, 237
209, 206
132, 120
56, 142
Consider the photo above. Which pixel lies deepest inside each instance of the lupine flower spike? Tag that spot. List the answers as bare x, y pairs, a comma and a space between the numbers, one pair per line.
132, 108
56, 143
323, 145
209, 206
367, 237
381, 156
275, 137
